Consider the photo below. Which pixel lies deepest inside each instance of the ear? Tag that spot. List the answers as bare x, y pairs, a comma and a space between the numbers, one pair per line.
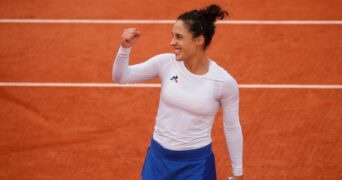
200, 40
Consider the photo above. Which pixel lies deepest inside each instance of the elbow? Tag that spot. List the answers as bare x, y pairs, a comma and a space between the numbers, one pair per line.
118, 80
117, 76
115, 79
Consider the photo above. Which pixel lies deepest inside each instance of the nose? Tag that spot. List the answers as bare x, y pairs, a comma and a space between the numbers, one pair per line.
173, 42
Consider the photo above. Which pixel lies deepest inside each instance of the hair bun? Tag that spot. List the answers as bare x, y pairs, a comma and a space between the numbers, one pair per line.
214, 12
202, 21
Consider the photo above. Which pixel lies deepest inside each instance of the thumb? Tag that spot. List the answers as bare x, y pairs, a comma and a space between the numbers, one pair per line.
129, 37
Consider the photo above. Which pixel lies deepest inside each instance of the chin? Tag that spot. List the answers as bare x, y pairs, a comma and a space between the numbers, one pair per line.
178, 57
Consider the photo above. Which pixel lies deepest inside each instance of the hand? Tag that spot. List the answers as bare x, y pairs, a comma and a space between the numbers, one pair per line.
129, 37
235, 178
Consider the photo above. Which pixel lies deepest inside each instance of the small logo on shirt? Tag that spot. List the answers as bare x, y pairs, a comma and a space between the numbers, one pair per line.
174, 78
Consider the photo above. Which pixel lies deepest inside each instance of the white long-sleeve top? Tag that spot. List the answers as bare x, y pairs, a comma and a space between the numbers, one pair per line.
188, 102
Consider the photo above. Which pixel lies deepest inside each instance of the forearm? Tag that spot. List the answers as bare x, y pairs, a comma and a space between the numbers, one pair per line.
120, 67
235, 147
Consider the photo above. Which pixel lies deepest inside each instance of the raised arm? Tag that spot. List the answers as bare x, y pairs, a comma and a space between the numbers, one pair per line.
122, 72
232, 128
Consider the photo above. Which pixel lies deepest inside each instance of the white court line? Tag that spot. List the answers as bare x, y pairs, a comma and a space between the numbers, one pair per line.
109, 21
155, 85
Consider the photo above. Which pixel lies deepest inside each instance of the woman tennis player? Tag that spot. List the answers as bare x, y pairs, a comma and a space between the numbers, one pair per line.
193, 88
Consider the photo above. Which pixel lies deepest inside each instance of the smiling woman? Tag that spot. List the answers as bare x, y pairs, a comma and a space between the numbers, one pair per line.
193, 89
192, 34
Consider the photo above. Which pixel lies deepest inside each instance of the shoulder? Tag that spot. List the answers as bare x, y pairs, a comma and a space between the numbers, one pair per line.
229, 86
221, 74
229, 89
161, 60
164, 57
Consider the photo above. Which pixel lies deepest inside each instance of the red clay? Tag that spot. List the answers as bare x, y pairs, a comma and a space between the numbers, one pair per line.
103, 133
164, 9
254, 54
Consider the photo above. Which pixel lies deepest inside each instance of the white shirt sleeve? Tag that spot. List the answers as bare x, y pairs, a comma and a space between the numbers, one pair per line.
123, 73
232, 128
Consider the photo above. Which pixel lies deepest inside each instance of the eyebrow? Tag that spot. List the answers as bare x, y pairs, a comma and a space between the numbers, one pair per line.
177, 34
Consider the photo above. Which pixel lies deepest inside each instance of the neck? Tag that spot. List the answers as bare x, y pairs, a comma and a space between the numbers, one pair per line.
198, 64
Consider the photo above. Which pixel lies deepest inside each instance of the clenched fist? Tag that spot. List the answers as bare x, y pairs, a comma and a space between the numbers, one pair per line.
129, 37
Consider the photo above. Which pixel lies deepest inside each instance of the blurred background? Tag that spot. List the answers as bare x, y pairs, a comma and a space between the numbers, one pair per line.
102, 131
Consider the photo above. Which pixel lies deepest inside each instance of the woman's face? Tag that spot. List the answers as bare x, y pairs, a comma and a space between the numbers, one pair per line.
182, 41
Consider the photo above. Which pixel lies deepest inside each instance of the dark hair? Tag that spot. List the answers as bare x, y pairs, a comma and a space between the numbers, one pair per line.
202, 22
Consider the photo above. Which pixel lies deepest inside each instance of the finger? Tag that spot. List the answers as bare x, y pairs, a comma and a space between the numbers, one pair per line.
131, 34
129, 37
137, 33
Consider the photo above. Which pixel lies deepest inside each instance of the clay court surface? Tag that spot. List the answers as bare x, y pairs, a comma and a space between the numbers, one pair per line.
86, 133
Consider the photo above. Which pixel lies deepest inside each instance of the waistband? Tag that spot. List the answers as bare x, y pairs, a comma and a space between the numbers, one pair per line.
193, 154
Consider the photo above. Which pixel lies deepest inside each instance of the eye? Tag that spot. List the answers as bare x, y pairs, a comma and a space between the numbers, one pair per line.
178, 36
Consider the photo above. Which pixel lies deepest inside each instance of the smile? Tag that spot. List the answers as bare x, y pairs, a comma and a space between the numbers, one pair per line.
177, 51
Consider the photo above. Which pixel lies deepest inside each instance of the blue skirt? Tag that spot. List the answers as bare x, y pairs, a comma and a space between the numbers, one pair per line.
164, 164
